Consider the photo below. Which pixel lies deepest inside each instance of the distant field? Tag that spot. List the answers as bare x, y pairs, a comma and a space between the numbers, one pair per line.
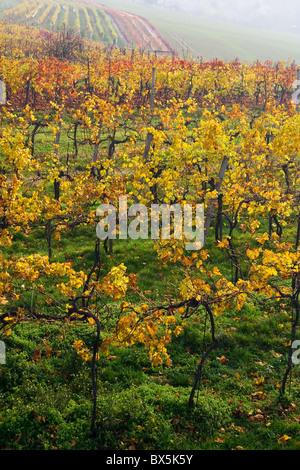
210, 39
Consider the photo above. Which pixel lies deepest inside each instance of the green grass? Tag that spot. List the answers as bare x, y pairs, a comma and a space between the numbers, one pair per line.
45, 401
46, 397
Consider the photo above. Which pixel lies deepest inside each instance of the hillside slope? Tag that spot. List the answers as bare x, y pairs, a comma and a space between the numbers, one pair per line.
94, 21
210, 38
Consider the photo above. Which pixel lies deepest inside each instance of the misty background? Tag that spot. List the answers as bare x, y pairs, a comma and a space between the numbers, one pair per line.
273, 15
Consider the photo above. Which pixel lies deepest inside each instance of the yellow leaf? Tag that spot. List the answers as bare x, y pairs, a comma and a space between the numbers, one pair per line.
124, 305
252, 254
275, 354
222, 359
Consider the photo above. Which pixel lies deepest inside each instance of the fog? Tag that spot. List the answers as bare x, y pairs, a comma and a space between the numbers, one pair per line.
275, 15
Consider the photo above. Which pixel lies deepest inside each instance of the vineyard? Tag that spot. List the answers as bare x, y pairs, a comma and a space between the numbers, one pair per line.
93, 21
138, 343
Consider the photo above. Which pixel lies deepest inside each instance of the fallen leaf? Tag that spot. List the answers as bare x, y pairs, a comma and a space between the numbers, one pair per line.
259, 381
275, 354
261, 363
37, 354
238, 412
223, 359
175, 421
283, 440
258, 396
259, 418
240, 429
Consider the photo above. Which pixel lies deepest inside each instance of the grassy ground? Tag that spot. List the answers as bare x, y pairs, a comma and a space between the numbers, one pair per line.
45, 388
